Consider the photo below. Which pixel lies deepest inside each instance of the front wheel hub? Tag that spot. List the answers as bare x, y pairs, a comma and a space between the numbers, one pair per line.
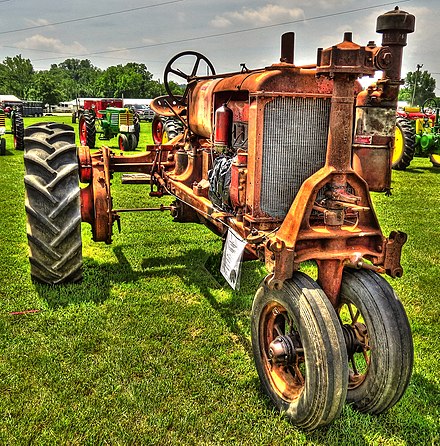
356, 337
282, 351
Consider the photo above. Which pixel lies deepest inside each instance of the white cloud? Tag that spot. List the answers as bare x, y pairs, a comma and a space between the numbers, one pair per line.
37, 22
265, 15
43, 43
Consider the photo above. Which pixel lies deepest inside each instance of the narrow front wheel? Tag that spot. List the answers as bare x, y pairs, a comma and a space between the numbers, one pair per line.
123, 142
299, 351
378, 339
87, 129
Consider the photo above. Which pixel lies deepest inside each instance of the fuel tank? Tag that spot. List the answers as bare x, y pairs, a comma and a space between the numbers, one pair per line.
208, 95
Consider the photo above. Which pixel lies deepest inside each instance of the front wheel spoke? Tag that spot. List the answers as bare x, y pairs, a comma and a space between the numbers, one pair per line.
353, 363
278, 330
299, 359
298, 376
366, 356
353, 316
356, 316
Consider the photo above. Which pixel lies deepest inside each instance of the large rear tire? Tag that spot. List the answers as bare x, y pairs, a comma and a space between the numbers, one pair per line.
53, 208
172, 127
87, 129
165, 129
18, 127
404, 144
378, 339
299, 351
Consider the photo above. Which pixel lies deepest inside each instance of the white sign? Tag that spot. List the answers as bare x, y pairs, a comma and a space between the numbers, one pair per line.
231, 260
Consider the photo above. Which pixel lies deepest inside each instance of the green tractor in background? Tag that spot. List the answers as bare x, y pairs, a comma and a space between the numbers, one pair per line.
17, 129
417, 134
108, 122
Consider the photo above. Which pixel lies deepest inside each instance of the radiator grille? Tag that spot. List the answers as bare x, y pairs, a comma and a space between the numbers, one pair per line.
125, 118
294, 147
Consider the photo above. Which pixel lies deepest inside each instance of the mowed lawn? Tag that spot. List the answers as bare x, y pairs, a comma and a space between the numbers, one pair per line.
152, 348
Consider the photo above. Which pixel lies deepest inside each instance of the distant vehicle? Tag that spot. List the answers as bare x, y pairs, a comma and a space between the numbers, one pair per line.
32, 108
149, 113
144, 111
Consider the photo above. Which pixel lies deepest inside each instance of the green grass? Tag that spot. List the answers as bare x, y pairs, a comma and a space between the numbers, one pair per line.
152, 349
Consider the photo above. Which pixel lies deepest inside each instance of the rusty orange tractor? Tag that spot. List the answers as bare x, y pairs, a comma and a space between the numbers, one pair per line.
284, 157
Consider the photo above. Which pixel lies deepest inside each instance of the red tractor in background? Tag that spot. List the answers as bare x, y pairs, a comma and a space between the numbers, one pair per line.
108, 118
282, 158
100, 104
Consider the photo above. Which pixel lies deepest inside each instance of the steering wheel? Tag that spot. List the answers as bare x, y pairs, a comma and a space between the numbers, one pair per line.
189, 77
429, 107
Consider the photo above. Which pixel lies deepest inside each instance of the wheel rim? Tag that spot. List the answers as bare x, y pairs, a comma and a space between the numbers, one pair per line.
398, 146
357, 341
157, 132
123, 142
83, 132
282, 353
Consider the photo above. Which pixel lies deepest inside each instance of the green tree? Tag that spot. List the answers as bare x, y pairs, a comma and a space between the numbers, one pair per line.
80, 77
419, 85
47, 88
16, 76
75, 78
132, 80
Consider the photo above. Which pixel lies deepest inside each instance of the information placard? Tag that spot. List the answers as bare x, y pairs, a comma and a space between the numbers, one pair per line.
231, 260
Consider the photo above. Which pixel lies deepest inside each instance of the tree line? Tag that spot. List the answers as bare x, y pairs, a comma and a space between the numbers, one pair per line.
78, 78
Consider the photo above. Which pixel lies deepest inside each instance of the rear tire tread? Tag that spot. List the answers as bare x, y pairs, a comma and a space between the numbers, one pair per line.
53, 204
409, 143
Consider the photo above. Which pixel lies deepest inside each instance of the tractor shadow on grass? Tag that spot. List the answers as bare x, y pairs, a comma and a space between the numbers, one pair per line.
8, 153
205, 274
422, 169
200, 271
98, 279
195, 268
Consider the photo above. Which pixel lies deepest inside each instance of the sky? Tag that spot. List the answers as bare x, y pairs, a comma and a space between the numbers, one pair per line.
227, 32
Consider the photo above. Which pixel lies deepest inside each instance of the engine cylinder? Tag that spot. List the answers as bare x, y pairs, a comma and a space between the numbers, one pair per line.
223, 128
